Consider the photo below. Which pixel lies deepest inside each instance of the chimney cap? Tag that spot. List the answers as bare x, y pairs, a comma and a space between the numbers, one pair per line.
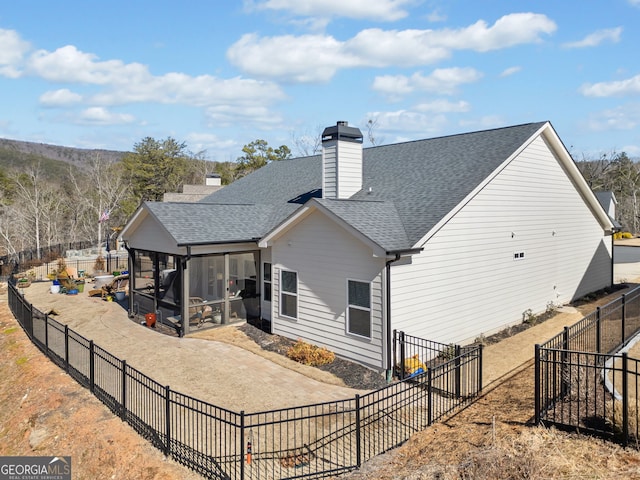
342, 131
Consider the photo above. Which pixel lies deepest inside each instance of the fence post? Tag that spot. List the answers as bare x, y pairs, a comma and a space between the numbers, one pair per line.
457, 377
46, 334
66, 348
402, 353
123, 413
30, 320
480, 369
429, 396
564, 388
395, 352
537, 383
624, 317
167, 420
625, 399
358, 434
242, 452
91, 367
598, 331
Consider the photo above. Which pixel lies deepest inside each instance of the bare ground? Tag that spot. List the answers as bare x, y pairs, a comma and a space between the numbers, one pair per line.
44, 412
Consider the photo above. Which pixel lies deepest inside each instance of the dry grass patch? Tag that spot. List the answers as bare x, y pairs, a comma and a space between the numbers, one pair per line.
312, 355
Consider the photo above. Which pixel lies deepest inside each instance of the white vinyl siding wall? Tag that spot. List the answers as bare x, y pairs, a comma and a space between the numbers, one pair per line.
466, 282
325, 256
342, 169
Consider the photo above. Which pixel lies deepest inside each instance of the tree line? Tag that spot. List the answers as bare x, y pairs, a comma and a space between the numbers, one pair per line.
39, 209
617, 173
41, 206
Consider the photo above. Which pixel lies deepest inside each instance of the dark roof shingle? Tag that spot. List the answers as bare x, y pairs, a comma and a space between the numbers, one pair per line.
407, 188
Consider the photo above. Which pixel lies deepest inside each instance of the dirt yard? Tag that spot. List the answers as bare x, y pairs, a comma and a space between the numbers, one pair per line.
44, 412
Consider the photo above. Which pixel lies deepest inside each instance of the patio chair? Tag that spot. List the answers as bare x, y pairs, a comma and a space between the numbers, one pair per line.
118, 284
199, 312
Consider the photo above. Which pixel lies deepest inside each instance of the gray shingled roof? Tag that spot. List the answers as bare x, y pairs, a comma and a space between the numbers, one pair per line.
199, 223
407, 188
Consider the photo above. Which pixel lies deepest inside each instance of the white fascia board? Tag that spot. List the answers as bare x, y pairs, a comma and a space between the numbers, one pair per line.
293, 219
310, 207
578, 179
140, 214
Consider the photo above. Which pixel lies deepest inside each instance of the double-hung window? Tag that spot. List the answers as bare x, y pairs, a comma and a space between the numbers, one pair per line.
266, 281
359, 308
289, 294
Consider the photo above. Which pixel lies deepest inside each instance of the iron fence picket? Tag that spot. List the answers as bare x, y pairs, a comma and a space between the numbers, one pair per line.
56, 344
311, 441
583, 384
79, 358
146, 412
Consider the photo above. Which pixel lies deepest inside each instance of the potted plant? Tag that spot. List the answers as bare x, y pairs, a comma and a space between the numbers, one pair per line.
24, 282
98, 266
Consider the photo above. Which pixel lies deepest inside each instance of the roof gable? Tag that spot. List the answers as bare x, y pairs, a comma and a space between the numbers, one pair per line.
407, 189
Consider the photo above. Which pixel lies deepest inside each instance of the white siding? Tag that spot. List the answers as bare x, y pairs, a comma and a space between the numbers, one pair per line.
150, 235
324, 257
466, 281
342, 169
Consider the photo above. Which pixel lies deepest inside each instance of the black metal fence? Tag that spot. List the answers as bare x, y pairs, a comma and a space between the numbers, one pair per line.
311, 441
43, 261
582, 384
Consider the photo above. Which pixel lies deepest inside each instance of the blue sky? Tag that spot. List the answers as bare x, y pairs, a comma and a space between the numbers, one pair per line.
218, 75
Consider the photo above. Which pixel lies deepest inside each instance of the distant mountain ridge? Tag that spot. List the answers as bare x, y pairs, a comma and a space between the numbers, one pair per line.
79, 157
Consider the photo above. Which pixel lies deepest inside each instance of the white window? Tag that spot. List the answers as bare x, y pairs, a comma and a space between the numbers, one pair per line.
359, 308
289, 294
518, 256
266, 281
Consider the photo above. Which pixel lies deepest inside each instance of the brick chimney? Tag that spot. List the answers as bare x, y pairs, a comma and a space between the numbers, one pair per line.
341, 161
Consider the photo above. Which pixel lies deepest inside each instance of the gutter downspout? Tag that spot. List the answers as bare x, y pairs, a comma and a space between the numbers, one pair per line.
388, 263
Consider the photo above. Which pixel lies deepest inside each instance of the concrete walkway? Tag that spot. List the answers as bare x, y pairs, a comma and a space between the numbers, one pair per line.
224, 375
234, 378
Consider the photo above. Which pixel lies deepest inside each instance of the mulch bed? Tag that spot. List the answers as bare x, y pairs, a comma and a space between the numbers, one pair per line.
352, 374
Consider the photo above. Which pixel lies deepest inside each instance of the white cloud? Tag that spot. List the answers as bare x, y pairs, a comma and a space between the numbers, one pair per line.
443, 106
635, 3
60, 98
629, 86
12, 51
407, 124
70, 65
510, 71
102, 116
483, 123
596, 38
230, 115
624, 117
436, 16
443, 81
133, 83
203, 142
381, 10
316, 58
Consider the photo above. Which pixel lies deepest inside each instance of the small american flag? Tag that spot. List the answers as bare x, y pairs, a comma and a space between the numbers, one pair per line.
104, 216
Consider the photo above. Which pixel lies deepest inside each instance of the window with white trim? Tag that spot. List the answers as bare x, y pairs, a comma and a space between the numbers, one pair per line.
289, 294
266, 282
359, 308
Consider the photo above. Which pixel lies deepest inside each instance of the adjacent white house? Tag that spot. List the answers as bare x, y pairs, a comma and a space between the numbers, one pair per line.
445, 239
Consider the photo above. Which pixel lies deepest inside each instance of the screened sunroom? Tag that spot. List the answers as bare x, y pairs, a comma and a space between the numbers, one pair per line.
208, 290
